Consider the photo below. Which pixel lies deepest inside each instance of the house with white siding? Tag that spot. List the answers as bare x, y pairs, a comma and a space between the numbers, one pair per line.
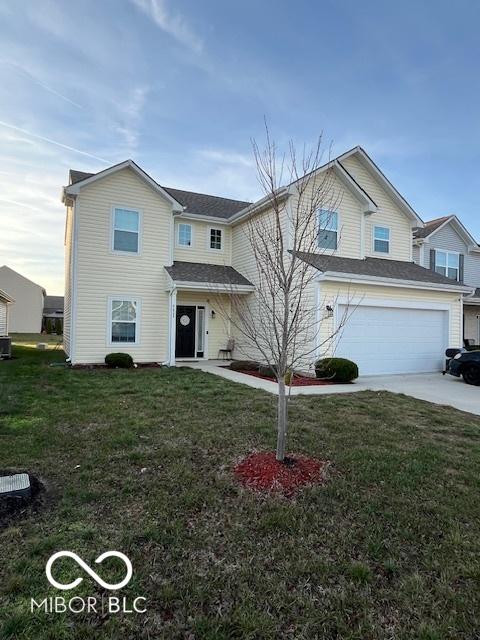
5, 302
26, 313
445, 246
146, 267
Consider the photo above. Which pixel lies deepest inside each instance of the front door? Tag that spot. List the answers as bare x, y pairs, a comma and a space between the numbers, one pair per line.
185, 332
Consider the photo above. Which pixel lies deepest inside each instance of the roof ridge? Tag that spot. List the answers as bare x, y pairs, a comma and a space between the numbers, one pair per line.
207, 195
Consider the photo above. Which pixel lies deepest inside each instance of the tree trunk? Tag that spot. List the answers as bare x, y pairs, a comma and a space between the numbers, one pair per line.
281, 420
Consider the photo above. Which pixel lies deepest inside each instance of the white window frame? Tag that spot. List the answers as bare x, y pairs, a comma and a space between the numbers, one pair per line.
382, 226
177, 236
124, 298
448, 253
112, 230
222, 243
329, 228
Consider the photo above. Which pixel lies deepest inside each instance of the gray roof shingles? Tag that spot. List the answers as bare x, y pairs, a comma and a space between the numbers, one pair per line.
430, 227
375, 267
194, 203
207, 273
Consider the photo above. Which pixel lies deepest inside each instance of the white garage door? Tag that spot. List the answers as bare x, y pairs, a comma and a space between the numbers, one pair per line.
393, 340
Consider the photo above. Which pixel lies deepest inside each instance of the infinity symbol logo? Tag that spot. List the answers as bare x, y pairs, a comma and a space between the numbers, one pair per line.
87, 569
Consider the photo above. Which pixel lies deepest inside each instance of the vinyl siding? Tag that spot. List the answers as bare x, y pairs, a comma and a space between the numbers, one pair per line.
200, 251
330, 292
25, 316
3, 318
447, 239
67, 311
389, 215
218, 327
472, 322
102, 274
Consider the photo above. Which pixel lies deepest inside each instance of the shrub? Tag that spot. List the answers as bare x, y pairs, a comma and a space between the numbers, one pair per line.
119, 360
267, 370
244, 365
336, 369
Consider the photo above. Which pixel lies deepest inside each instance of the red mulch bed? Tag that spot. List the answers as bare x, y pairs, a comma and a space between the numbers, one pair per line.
261, 471
298, 381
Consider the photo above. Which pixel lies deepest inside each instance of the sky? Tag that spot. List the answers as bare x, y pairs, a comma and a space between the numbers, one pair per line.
182, 87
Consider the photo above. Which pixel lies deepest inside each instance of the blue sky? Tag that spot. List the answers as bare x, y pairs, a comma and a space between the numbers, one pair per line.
182, 87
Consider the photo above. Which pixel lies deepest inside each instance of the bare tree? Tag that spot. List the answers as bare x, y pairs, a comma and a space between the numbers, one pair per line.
281, 321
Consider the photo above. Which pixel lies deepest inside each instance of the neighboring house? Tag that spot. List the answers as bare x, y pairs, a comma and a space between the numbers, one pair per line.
26, 313
5, 302
444, 245
53, 313
145, 264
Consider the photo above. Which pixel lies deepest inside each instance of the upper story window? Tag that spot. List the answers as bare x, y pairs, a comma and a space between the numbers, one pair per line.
184, 237
124, 315
447, 264
327, 229
126, 230
381, 239
216, 239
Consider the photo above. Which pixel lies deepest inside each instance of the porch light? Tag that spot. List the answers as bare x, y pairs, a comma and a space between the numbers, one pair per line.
212, 314
329, 311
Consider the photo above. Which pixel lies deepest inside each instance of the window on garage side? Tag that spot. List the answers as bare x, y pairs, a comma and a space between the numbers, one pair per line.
327, 229
447, 264
124, 318
381, 239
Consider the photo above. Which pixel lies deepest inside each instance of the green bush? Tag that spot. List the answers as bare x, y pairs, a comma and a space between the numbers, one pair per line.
336, 369
244, 365
267, 370
119, 360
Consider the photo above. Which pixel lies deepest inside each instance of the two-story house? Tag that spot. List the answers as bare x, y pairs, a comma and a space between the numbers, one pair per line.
445, 246
145, 265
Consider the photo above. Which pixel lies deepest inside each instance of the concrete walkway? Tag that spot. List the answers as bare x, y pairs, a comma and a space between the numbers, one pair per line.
433, 387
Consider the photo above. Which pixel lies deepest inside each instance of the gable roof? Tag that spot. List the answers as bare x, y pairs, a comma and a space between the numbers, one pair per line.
6, 268
367, 161
74, 187
432, 226
377, 268
192, 202
5, 297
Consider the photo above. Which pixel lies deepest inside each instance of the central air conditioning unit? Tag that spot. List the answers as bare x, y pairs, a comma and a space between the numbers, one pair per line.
5, 347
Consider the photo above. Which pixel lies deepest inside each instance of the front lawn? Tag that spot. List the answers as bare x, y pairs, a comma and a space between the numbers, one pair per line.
140, 462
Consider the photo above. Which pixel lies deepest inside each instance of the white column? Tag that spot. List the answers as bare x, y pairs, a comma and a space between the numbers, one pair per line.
172, 326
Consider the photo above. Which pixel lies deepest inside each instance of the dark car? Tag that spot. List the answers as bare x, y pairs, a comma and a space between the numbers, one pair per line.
467, 365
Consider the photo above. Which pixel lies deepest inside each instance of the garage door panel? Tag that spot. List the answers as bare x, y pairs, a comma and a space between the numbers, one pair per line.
394, 340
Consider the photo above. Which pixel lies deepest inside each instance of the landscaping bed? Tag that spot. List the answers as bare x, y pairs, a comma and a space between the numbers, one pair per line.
297, 380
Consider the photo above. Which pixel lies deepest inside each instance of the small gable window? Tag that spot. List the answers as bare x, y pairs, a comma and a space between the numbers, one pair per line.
447, 264
184, 235
327, 229
126, 230
381, 239
216, 239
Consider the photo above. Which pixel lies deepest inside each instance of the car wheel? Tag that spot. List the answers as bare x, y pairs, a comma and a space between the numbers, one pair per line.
471, 375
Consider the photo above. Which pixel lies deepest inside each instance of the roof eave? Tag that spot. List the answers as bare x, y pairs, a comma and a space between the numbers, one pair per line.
379, 280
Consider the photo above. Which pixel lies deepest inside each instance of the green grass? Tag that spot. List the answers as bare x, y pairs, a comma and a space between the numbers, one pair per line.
140, 461
32, 339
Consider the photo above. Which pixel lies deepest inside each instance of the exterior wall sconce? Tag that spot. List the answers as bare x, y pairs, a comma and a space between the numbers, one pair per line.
212, 314
329, 311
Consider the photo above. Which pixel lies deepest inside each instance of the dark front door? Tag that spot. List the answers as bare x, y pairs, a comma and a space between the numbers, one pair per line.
185, 340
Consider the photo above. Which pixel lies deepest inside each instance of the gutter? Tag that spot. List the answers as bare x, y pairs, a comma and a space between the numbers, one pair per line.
394, 282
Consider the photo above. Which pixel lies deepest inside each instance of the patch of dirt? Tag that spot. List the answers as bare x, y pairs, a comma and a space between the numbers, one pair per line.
12, 508
262, 472
297, 380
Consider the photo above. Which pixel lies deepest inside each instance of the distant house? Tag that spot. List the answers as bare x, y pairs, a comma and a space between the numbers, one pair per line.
5, 302
53, 314
25, 316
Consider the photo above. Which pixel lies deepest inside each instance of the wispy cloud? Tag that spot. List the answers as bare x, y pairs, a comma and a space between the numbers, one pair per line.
40, 83
227, 157
130, 118
172, 23
50, 141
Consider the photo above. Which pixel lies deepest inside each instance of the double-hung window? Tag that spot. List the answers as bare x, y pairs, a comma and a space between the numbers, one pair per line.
327, 229
124, 316
126, 230
447, 264
184, 237
381, 239
216, 239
